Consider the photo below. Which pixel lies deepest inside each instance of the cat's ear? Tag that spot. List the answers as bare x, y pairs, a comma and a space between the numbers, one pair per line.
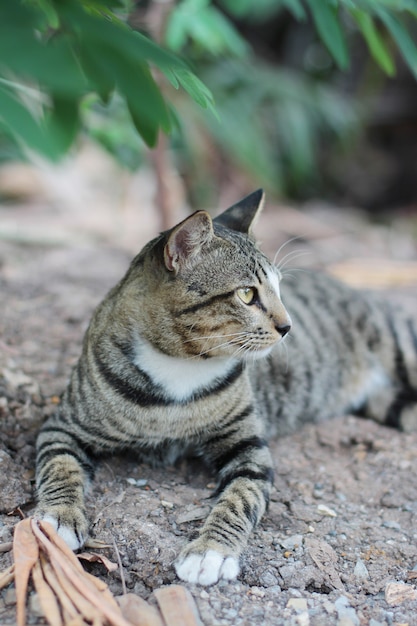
242, 215
186, 241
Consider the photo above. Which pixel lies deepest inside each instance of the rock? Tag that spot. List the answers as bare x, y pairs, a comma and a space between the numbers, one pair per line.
391, 524
346, 614
292, 543
397, 593
361, 571
323, 509
298, 604
325, 558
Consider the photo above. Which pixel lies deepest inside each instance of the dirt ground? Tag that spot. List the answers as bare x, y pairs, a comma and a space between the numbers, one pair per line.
339, 542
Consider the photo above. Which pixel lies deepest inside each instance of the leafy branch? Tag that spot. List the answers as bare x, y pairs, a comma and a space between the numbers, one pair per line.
55, 53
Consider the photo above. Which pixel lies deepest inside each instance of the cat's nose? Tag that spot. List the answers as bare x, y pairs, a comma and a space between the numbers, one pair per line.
283, 329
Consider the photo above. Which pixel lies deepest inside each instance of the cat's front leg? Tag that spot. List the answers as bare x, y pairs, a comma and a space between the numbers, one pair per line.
245, 479
63, 472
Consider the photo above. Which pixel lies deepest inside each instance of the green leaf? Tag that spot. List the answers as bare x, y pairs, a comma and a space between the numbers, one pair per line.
326, 20
196, 89
176, 30
24, 127
97, 34
401, 37
53, 65
95, 67
63, 123
374, 40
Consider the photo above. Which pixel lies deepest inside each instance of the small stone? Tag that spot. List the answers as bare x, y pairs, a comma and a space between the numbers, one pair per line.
166, 504
391, 524
35, 605
10, 596
323, 509
397, 593
361, 571
204, 595
255, 591
292, 543
298, 604
346, 614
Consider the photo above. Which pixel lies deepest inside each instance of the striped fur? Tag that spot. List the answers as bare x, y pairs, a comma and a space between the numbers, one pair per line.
185, 355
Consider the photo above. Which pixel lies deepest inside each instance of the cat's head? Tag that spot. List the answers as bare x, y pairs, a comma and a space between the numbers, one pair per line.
210, 291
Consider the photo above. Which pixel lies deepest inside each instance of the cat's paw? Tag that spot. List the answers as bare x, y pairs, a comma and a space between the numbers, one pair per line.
207, 568
72, 529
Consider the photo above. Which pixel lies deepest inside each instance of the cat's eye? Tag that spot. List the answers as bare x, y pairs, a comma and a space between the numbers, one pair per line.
247, 294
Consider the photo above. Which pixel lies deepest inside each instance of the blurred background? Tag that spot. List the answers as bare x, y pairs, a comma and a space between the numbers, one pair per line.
316, 102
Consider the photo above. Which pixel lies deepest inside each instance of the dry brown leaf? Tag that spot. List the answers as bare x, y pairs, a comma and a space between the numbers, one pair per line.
25, 554
68, 609
6, 577
177, 606
92, 557
83, 606
138, 612
47, 598
71, 568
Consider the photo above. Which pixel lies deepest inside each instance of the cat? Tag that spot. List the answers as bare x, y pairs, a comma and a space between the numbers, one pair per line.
188, 354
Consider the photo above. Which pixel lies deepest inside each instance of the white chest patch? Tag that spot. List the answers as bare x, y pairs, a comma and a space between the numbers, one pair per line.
180, 378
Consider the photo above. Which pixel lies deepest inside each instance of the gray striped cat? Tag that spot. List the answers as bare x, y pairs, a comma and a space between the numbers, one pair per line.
185, 356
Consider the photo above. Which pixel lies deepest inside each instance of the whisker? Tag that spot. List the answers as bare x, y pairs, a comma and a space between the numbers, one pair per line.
282, 246
242, 333
216, 347
290, 257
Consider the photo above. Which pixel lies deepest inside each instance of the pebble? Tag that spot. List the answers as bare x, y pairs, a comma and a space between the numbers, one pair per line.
346, 614
391, 524
167, 505
298, 604
255, 591
361, 571
140, 482
292, 543
397, 593
323, 509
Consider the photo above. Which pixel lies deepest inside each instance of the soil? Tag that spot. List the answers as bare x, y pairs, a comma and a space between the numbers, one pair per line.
339, 542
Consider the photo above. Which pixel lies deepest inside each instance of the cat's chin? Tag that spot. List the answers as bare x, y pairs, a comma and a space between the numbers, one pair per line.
257, 355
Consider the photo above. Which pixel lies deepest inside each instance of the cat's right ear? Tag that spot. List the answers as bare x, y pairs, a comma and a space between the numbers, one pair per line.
243, 215
186, 241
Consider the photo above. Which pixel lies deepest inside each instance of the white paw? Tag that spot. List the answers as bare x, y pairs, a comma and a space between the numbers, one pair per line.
65, 532
207, 568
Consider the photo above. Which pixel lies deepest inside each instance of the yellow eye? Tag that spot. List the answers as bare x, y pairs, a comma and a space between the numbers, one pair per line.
246, 294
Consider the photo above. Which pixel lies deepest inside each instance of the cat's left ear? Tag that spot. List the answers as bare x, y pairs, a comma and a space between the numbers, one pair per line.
186, 241
242, 215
